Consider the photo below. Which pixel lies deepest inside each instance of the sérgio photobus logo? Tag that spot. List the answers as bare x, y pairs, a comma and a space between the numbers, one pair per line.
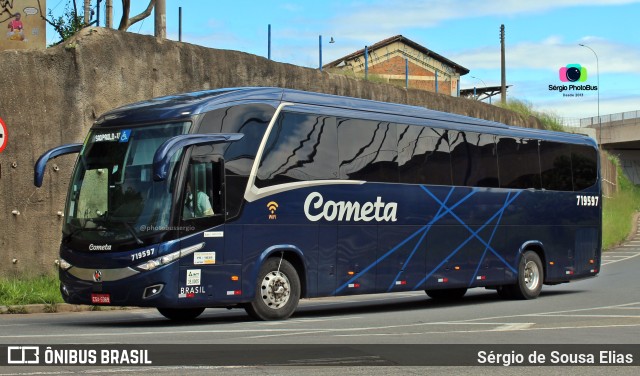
574, 75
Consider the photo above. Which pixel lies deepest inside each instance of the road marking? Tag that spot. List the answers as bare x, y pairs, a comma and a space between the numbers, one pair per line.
516, 326
587, 315
489, 330
607, 261
304, 321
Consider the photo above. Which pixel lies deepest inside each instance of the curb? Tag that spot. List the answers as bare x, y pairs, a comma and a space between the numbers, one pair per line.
57, 308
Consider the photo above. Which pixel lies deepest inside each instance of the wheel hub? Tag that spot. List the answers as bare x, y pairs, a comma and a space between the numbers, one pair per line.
275, 289
531, 275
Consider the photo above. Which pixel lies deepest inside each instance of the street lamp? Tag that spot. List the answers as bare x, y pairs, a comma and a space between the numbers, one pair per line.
598, 78
485, 85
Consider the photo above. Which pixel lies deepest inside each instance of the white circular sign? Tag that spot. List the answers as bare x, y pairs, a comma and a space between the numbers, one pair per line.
3, 135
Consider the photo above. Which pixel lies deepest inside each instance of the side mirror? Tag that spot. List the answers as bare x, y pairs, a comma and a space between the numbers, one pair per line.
162, 157
41, 163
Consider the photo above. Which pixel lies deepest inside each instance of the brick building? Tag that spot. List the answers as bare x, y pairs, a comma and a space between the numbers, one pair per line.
427, 69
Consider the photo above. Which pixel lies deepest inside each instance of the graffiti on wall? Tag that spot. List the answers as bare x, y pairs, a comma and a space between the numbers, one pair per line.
22, 25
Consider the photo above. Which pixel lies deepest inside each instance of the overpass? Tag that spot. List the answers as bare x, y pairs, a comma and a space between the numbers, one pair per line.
619, 134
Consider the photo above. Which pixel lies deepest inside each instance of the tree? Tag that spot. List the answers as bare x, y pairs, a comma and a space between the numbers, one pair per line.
66, 25
126, 22
70, 22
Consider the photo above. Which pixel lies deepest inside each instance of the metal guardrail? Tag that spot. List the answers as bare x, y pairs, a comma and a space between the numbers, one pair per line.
622, 117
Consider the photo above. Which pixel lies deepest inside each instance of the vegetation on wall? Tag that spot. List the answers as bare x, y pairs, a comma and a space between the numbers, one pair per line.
549, 120
618, 211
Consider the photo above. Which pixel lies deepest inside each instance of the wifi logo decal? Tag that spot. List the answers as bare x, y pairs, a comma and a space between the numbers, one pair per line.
272, 206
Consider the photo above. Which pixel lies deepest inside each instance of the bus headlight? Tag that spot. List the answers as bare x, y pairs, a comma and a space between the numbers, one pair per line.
149, 265
171, 257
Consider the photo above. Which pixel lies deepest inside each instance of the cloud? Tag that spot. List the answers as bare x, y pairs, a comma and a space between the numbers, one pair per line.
552, 53
587, 107
379, 19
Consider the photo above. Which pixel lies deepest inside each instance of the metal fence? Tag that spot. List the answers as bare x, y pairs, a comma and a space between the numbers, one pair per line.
629, 117
609, 174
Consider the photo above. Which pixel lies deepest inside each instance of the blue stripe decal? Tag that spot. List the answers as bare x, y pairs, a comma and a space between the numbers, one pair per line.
473, 234
475, 274
392, 250
442, 206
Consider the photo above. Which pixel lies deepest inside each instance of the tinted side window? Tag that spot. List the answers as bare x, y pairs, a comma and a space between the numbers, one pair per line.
519, 163
368, 150
584, 160
251, 120
555, 166
300, 147
423, 155
474, 161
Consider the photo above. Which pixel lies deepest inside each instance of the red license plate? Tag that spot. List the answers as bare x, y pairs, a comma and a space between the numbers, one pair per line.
100, 299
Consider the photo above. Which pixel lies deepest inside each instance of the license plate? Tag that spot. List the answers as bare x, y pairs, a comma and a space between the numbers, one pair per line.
100, 299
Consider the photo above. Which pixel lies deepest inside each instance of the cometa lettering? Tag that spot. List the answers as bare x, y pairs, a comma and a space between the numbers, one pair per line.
104, 247
315, 208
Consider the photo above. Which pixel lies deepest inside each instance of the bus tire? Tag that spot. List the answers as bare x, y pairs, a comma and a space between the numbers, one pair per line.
530, 278
277, 291
447, 294
180, 314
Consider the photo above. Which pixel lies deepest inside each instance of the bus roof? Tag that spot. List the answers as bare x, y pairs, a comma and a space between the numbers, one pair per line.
185, 106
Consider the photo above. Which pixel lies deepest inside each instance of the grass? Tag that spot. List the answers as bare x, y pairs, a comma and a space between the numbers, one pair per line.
618, 211
35, 290
549, 120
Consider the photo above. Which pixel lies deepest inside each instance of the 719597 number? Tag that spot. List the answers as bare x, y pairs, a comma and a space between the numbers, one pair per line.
587, 200
142, 254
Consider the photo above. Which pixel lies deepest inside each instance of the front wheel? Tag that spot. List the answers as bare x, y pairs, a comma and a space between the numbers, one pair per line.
530, 279
181, 314
277, 291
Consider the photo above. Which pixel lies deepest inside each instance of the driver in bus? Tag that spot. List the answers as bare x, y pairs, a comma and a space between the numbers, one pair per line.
196, 206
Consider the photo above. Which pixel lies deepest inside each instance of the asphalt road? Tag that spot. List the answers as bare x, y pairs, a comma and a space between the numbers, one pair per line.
599, 311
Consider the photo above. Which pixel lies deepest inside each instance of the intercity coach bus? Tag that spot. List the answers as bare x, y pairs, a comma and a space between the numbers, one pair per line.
257, 197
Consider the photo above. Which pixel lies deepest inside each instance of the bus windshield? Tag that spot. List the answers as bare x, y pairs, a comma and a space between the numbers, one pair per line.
113, 197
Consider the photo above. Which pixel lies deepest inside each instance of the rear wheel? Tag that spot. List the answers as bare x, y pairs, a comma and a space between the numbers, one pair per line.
530, 279
181, 314
277, 291
447, 295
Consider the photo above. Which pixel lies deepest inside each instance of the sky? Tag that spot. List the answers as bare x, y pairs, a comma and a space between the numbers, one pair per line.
542, 36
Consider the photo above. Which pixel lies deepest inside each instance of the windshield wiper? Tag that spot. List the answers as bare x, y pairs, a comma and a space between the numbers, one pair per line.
132, 231
67, 238
109, 219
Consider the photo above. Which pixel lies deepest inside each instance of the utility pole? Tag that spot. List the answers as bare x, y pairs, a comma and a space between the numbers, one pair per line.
109, 15
87, 12
160, 13
503, 88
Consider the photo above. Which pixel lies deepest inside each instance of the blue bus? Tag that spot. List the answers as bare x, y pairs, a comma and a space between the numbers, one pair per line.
258, 197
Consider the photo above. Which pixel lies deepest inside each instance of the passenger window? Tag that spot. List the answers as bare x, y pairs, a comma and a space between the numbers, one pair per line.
474, 161
368, 150
584, 161
519, 163
301, 147
555, 166
423, 155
